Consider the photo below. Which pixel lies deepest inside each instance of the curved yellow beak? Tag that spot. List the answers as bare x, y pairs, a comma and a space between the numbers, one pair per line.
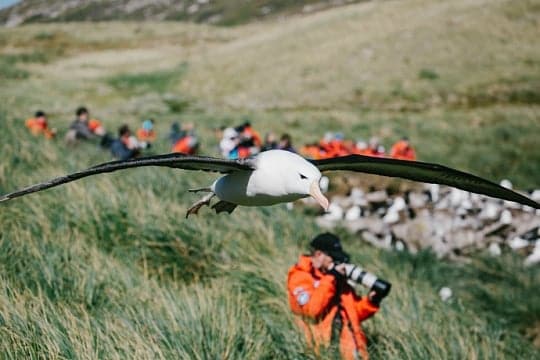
315, 192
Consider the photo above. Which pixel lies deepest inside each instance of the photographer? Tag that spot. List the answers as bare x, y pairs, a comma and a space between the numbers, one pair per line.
330, 311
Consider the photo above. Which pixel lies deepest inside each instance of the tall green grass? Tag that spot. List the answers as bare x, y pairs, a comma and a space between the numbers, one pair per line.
109, 267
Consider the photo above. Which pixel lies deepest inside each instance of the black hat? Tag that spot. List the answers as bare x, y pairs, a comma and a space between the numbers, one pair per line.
330, 244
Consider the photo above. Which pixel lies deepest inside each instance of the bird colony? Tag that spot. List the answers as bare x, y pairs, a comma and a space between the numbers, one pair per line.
452, 223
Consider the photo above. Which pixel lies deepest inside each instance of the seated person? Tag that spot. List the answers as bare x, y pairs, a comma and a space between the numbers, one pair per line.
188, 143
313, 151
249, 135
228, 142
146, 133
375, 148
403, 150
270, 142
176, 133
38, 125
84, 128
126, 146
285, 143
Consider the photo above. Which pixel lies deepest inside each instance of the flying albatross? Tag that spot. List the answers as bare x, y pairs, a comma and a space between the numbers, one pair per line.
278, 176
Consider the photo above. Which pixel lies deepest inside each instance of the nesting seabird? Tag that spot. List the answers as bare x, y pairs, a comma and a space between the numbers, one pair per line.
278, 176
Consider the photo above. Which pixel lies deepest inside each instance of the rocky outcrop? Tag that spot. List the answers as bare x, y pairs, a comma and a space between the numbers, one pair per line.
450, 222
228, 12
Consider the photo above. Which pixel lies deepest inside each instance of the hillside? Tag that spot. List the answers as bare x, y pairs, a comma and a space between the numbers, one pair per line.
220, 12
109, 267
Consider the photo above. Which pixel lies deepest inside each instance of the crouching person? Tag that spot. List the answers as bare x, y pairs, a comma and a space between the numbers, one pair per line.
329, 311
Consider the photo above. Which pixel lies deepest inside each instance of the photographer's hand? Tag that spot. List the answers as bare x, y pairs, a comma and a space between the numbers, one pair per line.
372, 297
337, 270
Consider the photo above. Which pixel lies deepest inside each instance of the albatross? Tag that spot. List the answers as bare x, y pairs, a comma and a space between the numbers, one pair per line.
278, 176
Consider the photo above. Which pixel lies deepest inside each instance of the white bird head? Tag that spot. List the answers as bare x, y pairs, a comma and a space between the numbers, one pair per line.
295, 175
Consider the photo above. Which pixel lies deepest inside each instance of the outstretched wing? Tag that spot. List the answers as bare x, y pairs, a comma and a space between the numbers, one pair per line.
424, 172
178, 161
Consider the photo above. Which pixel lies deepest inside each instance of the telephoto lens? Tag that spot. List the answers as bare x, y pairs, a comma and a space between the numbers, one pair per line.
369, 280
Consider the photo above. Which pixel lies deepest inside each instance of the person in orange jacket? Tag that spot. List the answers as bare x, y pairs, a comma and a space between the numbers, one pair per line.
147, 133
403, 150
329, 311
38, 125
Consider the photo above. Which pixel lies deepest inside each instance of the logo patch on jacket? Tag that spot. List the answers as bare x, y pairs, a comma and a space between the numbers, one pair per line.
302, 298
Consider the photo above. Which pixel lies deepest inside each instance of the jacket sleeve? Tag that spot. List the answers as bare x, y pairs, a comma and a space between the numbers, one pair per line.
307, 300
365, 309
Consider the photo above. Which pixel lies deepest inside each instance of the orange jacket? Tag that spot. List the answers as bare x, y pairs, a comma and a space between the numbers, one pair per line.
39, 126
312, 296
254, 135
94, 124
184, 146
403, 150
144, 135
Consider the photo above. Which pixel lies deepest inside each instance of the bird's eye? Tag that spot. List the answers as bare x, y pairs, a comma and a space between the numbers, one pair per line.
302, 176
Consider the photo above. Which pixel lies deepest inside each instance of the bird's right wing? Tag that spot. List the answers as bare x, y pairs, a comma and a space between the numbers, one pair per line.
424, 172
178, 161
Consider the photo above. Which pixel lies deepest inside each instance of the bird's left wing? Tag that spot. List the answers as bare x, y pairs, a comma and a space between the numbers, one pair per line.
178, 161
424, 172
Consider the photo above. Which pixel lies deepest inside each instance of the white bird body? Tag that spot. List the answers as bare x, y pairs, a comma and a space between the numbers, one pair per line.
245, 188
280, 176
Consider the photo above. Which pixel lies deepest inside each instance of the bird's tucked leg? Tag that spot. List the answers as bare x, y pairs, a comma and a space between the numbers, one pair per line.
224, 206
204, 189
194, 209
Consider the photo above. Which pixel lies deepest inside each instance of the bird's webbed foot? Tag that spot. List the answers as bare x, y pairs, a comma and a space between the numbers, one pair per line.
205, 201
224, 206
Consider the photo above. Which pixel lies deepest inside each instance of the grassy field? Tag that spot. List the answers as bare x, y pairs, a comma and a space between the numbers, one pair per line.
109, 268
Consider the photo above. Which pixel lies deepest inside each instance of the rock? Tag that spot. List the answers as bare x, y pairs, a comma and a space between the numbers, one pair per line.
497, 229
354, 213
323, 183
534, 257
494, 249
325, 223
417, 200
356, 226
457, 197
398, 204
490, 212
518, 243
391, 217
463, 239
399, 246
380, 242
344, 202
505, 183
434, 190
377, 197
506, 217
445, 293
335, 212
535, 195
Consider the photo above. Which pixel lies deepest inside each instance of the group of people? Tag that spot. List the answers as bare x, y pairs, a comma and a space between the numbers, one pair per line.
125, 145
243, 141
334, 145
234, 142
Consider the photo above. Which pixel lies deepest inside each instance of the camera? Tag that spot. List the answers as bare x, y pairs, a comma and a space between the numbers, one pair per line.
369, 280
